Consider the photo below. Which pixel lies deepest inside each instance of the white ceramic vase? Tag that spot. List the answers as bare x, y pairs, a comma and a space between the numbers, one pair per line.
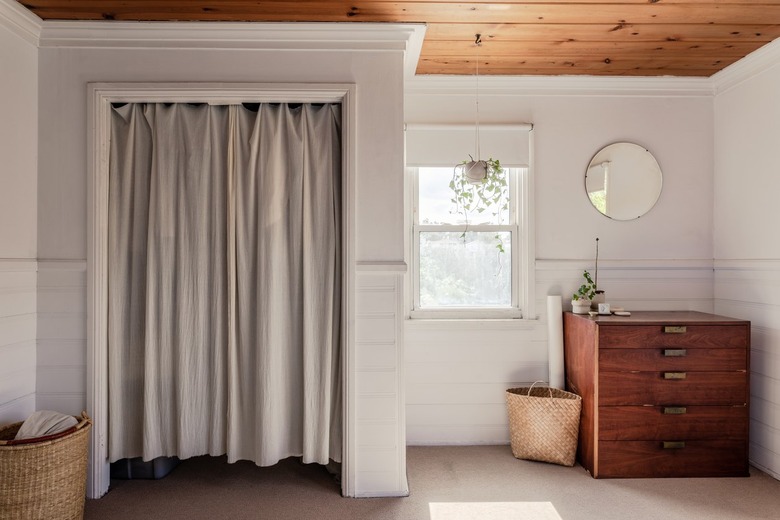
474, 171
580, 306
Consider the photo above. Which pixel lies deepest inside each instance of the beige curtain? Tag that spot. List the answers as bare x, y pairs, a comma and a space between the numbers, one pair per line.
224, 282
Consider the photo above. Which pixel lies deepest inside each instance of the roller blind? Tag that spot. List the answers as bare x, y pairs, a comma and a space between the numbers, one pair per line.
444, 145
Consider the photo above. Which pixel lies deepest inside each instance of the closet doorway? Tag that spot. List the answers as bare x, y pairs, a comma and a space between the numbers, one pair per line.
102, 98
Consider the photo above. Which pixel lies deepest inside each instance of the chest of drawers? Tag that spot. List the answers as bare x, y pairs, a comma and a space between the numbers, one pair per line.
664, 394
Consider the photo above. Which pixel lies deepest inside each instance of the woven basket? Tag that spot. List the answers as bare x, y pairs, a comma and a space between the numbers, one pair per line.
544, 424
46, 479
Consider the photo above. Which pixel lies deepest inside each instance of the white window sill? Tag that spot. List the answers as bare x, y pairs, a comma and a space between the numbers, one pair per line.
466, 314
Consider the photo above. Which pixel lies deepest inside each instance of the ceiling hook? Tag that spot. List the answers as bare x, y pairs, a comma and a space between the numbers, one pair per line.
478, 40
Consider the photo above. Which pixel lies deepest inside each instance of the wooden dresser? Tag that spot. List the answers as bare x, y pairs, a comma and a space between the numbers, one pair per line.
664, 394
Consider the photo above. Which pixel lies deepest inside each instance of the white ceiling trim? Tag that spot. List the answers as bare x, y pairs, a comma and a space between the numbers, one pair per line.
21, 21
755, 63
562, 86
296, 36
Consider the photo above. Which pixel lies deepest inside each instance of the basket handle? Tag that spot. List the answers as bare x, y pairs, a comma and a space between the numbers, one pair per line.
85, 420
532, 386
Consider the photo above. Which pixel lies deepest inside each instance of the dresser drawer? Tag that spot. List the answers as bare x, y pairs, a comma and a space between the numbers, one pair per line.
709, 458
617, 423
672, 359
651, 388
694, 336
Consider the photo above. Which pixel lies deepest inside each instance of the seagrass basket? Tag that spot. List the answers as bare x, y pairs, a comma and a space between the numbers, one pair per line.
544, 424
44, 479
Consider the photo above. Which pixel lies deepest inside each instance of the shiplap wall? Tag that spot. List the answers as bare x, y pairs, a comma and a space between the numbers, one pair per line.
746, 248
745, 289
62, 343
18, 208
379, 391
457, 372
17, 339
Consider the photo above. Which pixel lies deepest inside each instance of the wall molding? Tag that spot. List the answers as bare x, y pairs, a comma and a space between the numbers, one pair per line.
381, 267
755, 63
20, 21
747, 265
650, 264
600, 86
15, 265
49, 264
272, 36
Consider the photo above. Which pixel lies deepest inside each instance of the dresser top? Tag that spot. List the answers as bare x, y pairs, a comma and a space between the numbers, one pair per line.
662, 318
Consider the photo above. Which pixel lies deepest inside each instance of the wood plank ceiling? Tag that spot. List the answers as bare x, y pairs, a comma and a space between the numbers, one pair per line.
534, 37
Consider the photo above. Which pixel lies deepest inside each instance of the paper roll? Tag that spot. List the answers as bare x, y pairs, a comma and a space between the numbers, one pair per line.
555, 341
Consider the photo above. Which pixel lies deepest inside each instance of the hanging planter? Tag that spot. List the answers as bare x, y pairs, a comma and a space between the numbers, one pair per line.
480, 185
474, 171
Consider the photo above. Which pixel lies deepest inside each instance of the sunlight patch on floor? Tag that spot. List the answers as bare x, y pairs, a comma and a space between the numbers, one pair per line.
493, 511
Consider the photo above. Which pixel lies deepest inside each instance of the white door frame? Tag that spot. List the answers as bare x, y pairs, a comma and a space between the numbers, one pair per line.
101, 95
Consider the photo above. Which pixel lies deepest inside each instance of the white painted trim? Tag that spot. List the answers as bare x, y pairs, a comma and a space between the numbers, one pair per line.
20, 21
16, 265
527, 229
276, 36
649, 264
766, 470
101, 95
452, 325
602, 86
747, 265
400, 371
46, 264
381, 267
349, 252
326, 36
483, 127
758, 61
98, 137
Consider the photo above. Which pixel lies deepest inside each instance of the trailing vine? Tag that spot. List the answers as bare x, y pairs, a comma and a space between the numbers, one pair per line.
489, 194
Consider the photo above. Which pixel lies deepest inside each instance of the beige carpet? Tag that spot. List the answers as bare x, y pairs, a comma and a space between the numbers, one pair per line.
447, 483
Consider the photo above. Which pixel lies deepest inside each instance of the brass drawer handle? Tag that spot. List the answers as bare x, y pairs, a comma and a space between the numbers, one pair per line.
674, 375
675, 410
674, 445
675, 330
675, 352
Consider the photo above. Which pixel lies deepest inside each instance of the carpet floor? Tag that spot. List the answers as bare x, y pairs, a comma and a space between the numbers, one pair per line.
446, 483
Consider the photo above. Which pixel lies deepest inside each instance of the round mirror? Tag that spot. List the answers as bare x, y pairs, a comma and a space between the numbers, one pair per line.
623, 181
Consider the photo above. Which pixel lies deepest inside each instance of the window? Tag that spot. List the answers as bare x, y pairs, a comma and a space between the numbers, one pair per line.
469, 254
465, 258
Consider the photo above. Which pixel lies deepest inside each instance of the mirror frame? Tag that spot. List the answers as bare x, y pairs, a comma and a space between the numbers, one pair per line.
653, 167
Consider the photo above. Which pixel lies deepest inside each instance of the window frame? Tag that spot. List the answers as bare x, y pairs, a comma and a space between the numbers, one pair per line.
513, 311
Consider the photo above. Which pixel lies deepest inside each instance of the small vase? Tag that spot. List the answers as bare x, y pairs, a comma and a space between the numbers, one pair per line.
598, 298
580, 306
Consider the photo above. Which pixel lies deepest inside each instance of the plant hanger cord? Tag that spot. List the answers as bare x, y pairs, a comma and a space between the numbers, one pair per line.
478, 43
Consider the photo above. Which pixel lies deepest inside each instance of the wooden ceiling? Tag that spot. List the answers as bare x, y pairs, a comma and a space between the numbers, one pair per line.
537, 37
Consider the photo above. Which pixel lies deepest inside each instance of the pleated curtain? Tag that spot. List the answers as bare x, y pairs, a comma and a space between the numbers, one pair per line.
225, 282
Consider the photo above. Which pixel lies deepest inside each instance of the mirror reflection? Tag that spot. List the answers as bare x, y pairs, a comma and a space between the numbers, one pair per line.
623, 181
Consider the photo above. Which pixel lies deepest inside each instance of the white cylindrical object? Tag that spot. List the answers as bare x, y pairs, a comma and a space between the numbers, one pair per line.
555, 341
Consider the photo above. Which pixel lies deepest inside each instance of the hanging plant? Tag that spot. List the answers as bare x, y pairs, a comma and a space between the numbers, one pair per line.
479, 186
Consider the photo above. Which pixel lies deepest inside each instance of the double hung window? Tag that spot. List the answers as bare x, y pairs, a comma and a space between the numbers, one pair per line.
469, 242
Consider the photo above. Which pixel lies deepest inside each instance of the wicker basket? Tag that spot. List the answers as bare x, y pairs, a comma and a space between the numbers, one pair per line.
45, 479
544, 424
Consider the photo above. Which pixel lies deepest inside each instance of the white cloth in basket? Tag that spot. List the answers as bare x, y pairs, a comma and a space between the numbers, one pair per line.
45, 422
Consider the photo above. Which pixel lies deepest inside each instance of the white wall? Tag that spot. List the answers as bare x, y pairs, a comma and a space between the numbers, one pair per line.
747, 250
18, 206
457, 372
66, 67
